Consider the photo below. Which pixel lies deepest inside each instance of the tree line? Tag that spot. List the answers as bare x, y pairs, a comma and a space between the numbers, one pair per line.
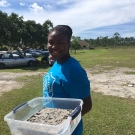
113, 42
15, 32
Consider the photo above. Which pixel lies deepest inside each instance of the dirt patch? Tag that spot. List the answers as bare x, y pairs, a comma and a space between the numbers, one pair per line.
50, 116
114, 82
7, 80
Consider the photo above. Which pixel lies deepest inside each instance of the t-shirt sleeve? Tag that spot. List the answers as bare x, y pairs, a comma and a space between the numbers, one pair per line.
78, 84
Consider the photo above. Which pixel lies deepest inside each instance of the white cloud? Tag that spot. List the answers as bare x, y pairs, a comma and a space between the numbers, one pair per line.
22, 4
83, 15
4, 3
89, 14
48, 6
62, 2
59, 2
36, 8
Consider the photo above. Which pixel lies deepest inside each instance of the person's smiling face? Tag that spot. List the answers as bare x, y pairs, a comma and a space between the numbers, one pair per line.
58, 46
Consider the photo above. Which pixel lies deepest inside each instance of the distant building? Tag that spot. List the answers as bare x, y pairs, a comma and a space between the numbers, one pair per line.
84, 44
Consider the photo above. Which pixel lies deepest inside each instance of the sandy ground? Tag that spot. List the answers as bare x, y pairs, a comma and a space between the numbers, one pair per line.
114, 82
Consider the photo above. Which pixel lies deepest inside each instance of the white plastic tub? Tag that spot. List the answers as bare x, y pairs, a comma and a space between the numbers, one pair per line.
18, 124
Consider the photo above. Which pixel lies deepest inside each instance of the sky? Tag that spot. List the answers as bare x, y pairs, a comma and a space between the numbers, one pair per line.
87, 18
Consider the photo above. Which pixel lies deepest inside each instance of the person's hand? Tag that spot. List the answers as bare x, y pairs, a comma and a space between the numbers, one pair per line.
50, 57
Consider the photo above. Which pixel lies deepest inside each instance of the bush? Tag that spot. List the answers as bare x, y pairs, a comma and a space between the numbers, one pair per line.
3, 48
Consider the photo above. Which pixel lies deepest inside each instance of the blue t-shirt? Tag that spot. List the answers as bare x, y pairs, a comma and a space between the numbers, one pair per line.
67, 80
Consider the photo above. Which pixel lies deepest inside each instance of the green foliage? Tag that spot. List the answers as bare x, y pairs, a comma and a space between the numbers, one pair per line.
3, 28
40, 67
74, 44
9, 100
114, 42
14, 32
109, 115
106, 58
129, 72
3, 48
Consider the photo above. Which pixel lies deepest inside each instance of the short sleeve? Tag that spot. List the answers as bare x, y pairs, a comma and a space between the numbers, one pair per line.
78, 84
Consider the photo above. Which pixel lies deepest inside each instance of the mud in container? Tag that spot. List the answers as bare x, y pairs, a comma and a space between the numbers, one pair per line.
17, 118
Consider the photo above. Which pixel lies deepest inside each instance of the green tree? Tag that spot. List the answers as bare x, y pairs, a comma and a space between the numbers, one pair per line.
74, 44
98, 41
3, 28
47, 25
116, 37
35, 35
28, 33
14, 29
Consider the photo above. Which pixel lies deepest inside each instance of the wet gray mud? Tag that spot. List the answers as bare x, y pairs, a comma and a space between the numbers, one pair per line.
50, 116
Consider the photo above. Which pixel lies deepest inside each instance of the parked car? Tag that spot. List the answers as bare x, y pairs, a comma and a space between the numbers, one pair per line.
28, 55
2, 52
34, 53
13, 60
42, 52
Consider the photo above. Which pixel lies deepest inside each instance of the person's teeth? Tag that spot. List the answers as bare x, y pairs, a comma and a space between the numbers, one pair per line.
55, 52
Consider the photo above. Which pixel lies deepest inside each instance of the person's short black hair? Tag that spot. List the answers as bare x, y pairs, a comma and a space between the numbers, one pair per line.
63, 29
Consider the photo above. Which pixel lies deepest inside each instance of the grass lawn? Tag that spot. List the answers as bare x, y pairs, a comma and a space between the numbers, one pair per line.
109, 115
107, 58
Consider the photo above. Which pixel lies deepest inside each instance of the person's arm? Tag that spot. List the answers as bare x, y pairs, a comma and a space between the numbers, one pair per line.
87, 105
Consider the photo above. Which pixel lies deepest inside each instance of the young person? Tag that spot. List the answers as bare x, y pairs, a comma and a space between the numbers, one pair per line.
66, 78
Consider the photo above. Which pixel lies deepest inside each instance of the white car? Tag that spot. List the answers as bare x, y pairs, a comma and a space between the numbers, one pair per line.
13, 60
28, 55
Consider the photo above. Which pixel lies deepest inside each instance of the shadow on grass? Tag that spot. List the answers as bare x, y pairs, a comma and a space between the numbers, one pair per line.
76, 52
37, 67
82, 52
40, 66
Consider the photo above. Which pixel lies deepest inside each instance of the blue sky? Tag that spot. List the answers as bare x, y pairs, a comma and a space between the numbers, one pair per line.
87, 18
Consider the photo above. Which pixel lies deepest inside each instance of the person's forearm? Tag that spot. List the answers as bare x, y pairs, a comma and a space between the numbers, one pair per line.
87, 105
86, 109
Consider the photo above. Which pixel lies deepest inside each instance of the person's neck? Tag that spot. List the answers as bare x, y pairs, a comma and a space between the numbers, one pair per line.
63, 59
